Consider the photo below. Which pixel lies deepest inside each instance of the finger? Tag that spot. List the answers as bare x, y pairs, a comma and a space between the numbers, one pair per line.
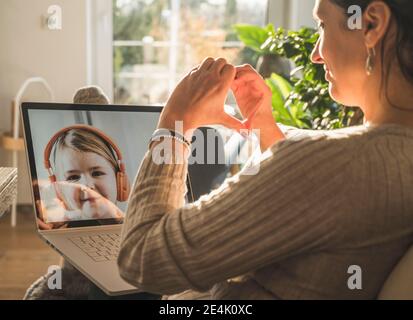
41, 209
218, 65
245, 81
248, 80
59, 194
84, 194
44, 226
206, 64
245, 67
234, 86
246, 76
228, 74
89, 194
73, 215
70, 195
250, 118
242, 70
195, 69
232, 122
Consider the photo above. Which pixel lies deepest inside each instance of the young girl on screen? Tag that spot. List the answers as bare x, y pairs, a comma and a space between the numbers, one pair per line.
87, 174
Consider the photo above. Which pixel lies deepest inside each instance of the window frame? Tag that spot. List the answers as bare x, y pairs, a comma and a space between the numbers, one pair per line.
100, 46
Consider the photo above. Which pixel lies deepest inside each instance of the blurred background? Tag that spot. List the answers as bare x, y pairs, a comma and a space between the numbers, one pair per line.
136, 51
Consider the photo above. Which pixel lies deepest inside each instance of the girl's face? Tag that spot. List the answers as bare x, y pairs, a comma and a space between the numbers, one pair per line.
343, 53
88, 169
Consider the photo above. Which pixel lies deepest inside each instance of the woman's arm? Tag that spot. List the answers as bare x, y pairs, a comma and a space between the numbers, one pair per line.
291, 207
248, 223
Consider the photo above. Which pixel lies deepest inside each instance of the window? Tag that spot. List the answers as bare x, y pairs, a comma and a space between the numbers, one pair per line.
157, 41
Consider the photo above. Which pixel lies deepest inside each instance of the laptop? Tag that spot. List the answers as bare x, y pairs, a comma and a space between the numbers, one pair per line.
95, 147
82, 161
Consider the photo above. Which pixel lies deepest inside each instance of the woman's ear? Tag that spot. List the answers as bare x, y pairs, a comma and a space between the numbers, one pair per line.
377, 18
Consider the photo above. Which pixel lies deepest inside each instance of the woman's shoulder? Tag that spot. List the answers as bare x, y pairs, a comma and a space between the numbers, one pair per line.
353, 138
335, 139
342, 146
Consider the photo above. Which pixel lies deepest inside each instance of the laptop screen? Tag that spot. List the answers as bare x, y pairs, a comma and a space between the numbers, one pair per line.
83, 160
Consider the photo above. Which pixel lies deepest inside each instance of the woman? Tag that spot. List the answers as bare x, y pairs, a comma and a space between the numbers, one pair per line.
85, 183
319, 205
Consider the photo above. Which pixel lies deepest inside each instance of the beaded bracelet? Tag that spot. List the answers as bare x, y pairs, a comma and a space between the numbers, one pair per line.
166, 133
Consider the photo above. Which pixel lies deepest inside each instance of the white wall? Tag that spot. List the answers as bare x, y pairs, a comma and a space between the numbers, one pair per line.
29, 49
291, 14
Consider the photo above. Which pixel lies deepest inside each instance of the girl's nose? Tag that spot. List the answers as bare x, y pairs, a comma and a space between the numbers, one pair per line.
82, 181
89, 182
86, 181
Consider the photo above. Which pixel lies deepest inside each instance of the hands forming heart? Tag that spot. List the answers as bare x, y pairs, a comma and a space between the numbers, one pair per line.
253, 97
199, 99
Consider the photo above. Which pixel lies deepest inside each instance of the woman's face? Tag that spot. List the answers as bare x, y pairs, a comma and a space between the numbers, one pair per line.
88, 169
343, 53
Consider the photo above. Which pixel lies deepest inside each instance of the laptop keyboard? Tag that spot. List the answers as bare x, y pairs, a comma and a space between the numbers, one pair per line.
101, 247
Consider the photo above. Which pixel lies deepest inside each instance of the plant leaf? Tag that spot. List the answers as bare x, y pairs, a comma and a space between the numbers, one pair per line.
283, 85
252, 36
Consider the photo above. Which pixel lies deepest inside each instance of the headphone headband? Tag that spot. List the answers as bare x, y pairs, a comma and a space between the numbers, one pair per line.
99, 133
122, 181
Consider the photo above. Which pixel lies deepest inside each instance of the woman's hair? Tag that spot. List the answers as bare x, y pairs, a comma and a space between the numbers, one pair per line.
86, 141
402, 12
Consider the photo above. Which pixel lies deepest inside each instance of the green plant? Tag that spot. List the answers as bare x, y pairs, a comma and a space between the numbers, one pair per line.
292, 115
254, 36
303, 100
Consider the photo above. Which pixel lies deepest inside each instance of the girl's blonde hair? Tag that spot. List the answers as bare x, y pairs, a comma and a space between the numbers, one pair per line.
86, 141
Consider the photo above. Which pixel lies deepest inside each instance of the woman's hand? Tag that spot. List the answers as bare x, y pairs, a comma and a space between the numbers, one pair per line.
254, 98
62, 201
94, 206
199, 99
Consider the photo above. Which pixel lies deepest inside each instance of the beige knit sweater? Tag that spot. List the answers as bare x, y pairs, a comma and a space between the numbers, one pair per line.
322, 202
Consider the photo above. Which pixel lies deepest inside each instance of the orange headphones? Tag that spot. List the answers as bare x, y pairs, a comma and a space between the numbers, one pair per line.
122, 182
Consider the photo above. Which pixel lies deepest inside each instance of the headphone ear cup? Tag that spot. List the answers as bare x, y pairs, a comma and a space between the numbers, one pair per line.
123, 186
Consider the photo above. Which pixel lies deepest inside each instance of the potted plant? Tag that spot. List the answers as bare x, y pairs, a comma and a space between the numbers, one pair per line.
301, 98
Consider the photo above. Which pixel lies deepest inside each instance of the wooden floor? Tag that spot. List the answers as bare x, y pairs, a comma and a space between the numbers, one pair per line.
23, 256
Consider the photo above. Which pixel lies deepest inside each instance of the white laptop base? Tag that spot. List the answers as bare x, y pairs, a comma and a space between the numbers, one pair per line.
96, 263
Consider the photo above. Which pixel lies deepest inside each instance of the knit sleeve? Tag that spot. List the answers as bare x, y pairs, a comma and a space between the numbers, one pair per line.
291, 207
